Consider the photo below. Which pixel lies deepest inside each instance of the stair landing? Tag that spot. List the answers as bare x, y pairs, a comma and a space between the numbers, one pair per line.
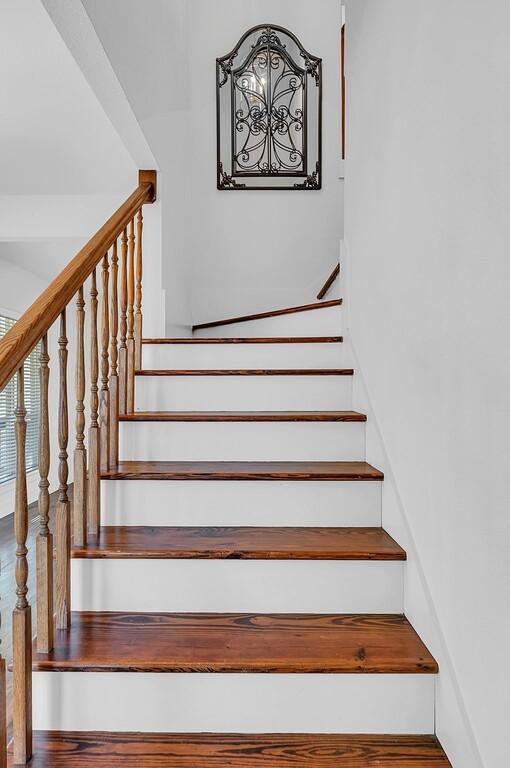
134, 750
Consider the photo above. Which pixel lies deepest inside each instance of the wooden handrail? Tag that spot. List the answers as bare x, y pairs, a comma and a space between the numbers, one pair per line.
329, 282
17, 344
83, 515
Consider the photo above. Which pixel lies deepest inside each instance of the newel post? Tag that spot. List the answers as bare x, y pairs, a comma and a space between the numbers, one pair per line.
145, 177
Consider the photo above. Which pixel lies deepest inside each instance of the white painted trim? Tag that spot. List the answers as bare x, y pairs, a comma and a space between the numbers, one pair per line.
231, 502
239, 703
190, 356
242, 441
237, 586
243, 393
8, 489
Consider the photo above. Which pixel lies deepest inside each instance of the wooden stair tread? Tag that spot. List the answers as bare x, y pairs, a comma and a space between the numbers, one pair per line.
271, 313
246, 372
159, 750
249, 340
243, 470
238, 642
244, 416
243, 543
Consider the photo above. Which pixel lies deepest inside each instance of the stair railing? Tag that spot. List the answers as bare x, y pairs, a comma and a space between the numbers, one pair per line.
113, 361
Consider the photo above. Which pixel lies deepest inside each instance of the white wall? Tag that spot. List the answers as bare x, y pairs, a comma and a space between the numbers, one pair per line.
427, 229
235, 252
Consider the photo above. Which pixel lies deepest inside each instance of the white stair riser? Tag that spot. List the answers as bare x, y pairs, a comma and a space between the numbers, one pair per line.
240, 502
234, 703
242, 441
243, 393
317, 322
237, 586
191, 356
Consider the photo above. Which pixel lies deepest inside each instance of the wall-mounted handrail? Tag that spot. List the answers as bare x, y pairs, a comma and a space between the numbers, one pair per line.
17, 344
329, 282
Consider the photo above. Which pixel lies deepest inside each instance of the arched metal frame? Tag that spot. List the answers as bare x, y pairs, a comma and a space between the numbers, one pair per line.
269, 113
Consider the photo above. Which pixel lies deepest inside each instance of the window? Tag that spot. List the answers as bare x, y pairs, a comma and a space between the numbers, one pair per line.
8, 402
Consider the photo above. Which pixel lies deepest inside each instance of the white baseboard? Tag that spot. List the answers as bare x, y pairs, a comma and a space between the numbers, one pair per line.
7, 492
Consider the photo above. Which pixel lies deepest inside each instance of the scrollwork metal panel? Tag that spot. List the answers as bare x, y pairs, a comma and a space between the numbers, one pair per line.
269, 113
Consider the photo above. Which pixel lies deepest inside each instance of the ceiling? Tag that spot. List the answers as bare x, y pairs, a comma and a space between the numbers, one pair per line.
54, 136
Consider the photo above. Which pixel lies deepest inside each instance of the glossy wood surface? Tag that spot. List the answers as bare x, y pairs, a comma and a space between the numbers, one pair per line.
250, 372
329, 282
159, 750
251, 340
272, 313
243, 470
242, 543
245, 416
237, 642
17, 344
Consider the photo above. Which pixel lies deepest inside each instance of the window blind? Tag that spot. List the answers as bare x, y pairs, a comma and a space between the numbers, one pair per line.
8, 402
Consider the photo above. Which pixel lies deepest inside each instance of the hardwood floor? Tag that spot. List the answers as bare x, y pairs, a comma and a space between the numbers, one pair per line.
7, 582
159, 750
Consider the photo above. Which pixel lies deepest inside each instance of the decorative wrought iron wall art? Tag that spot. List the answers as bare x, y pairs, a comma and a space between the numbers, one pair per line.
269, 113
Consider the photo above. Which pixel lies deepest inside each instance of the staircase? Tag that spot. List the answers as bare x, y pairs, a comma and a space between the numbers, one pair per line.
241, 605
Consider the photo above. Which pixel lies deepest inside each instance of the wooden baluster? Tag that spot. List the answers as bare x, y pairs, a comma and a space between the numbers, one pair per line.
130, 390
114, 378
44, 543
22, 617
138, 292
80, 452
123, 325
104, 397
94, 452
63, 516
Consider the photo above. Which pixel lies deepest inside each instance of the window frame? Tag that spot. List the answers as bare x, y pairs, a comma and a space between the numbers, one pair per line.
7, 484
